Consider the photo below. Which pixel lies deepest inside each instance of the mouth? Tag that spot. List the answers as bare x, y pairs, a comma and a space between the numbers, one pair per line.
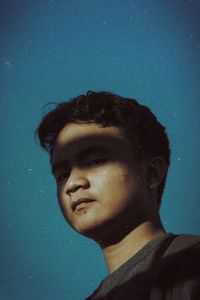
80, 203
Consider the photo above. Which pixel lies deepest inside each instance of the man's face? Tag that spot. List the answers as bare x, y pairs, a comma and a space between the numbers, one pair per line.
100, 187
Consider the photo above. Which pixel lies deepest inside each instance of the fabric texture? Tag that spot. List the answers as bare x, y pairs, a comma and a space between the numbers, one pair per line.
167, 268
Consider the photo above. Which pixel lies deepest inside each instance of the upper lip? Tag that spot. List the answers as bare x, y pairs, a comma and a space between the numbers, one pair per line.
79, 201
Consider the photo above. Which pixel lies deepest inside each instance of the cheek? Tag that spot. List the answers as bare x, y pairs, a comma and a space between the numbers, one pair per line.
115, 183
60, 194
124, 187
64, 202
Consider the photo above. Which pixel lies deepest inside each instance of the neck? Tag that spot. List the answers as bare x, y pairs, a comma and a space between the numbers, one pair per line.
118, 253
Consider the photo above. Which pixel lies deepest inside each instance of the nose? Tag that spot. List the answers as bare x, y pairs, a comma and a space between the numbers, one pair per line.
76, 181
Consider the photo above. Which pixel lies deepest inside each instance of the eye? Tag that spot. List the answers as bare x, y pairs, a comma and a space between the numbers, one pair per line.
95, 161
62, 177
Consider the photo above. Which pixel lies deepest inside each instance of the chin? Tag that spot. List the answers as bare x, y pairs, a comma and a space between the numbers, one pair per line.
97, 230
89, 227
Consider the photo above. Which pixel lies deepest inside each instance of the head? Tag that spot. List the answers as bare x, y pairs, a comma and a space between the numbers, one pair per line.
108, 119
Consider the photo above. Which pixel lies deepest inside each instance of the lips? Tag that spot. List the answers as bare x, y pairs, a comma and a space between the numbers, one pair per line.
80, 201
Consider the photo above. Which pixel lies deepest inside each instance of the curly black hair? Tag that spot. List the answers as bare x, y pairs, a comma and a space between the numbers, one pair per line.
139, 125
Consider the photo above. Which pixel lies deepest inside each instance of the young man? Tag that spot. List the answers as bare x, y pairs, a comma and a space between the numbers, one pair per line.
110, 157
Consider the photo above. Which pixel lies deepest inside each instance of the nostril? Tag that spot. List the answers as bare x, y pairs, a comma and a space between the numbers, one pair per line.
74, 185
73, 189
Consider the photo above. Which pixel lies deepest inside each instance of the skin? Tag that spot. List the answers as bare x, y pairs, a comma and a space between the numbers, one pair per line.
96, 163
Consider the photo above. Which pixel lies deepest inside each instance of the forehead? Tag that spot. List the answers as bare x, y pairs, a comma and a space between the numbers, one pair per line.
74, 138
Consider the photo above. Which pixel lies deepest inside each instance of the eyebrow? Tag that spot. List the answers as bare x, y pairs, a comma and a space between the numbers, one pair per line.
85, 152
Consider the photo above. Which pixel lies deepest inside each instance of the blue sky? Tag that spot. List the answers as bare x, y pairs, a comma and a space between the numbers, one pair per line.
53, 50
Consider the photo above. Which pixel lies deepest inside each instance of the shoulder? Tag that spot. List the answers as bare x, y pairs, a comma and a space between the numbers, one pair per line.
184, 242
187, 273
181, 247
178, 276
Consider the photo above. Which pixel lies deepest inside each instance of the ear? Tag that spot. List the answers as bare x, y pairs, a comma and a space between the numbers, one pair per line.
157, 171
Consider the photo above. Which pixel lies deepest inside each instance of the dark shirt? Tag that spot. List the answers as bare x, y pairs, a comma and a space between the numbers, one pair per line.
167, 268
